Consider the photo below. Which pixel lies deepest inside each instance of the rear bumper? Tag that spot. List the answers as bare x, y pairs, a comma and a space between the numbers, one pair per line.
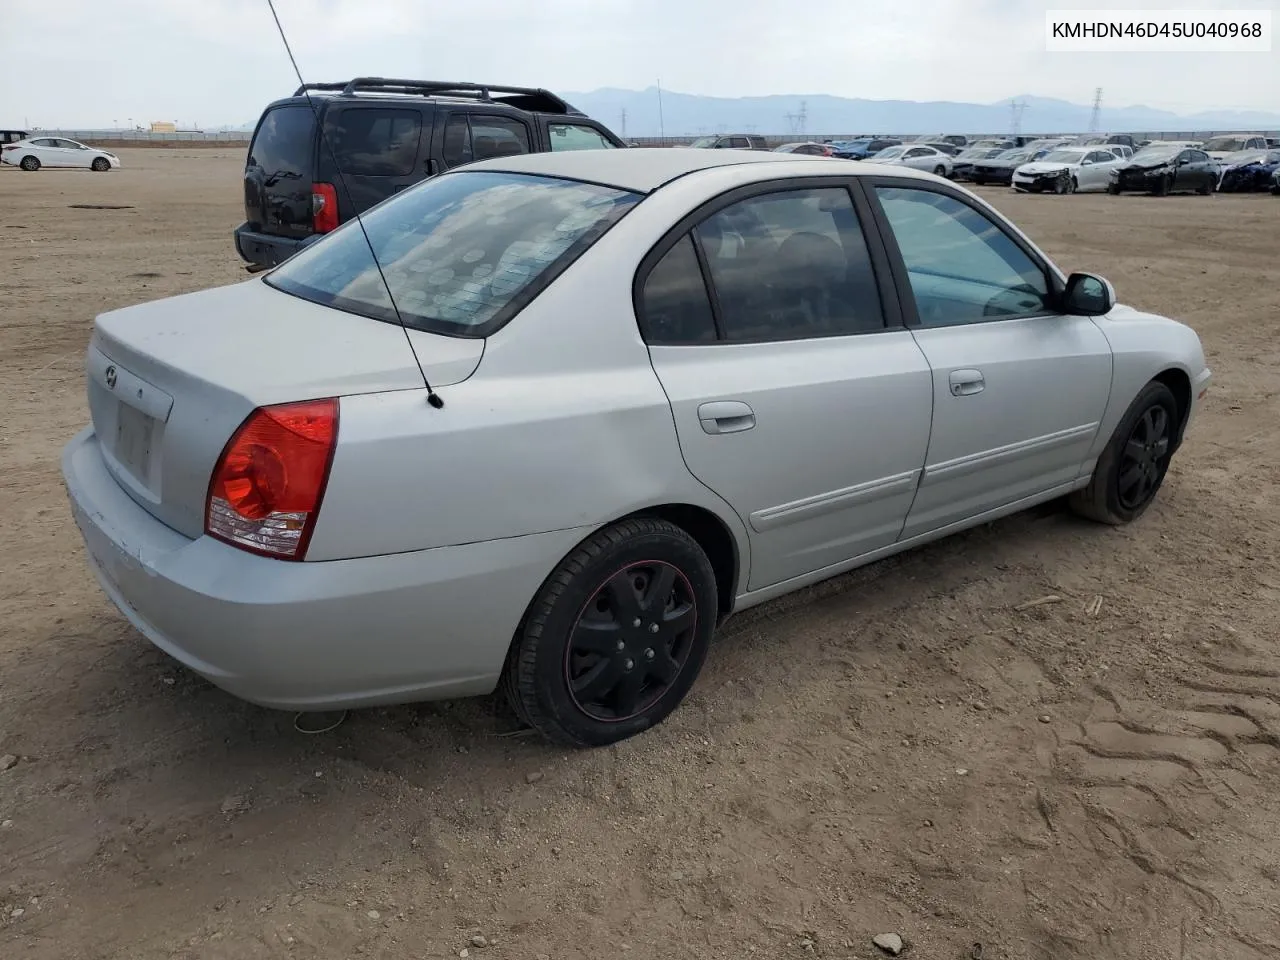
264, 249
431, 624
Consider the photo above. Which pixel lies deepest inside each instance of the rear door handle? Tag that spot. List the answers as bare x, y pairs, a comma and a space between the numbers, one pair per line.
965, 383
726, 416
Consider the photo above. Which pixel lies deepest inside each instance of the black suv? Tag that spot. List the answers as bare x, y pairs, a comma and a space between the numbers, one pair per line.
385, 135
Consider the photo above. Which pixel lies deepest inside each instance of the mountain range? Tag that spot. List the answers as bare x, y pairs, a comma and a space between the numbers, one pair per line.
686, 115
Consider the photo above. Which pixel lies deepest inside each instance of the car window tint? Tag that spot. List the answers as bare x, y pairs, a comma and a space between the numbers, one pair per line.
44, 142
790, 265
675, 304
739, 142
376, 143
457, 141
498, 137
963, 268
574, 136
284, 146
455, 250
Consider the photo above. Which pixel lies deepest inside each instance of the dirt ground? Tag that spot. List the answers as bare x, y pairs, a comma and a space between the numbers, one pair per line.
902, 749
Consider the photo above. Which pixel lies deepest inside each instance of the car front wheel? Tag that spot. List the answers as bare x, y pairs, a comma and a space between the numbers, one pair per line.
100, 165
1134, 463
616, 635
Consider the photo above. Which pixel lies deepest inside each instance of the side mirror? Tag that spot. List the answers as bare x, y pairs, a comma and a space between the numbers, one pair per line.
1087, 295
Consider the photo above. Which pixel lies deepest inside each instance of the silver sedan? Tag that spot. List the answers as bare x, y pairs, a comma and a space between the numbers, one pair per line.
602, 400
917, 157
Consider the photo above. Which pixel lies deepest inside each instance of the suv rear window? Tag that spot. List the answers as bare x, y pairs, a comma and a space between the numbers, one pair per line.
284, 146
461, 252
375, 142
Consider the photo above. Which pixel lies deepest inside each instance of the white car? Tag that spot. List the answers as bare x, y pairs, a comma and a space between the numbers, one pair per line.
916, 156
1067, 170
603, 399
1219, 148
36, 152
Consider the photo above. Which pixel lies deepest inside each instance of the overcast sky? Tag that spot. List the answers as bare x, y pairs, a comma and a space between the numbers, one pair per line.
93, 63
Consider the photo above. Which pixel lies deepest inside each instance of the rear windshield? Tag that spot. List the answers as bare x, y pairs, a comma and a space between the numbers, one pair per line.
461, 252
284, 145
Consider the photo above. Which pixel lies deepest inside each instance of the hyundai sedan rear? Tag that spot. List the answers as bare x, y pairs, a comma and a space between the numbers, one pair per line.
541, 423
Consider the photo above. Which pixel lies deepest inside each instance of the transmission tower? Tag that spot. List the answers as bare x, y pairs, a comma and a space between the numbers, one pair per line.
624, 123
796, 121
1015, 119
1096, 117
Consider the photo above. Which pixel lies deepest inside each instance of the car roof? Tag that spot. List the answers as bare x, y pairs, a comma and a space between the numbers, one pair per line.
637, 169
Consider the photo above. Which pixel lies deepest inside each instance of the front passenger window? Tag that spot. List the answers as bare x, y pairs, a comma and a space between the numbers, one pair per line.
963, 268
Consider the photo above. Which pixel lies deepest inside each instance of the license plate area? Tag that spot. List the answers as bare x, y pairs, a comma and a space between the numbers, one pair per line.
132, 447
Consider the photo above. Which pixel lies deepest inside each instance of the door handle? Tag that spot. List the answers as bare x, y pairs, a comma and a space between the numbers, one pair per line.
726, 416
965, 383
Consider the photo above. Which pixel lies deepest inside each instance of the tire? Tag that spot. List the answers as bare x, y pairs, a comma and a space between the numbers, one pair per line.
1275, 191
607, 584
1072, 185
1111, 496
940, 171
30, 164
980, 181
100, 165
1113, 190
1164, 186
1206, 188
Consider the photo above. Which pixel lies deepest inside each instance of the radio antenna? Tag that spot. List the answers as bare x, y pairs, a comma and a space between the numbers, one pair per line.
433, 398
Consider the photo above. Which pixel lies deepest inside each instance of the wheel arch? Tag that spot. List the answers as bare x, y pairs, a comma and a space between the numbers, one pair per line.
1179, 384
713, 536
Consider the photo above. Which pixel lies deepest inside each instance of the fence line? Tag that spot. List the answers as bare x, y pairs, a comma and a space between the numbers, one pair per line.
243, 136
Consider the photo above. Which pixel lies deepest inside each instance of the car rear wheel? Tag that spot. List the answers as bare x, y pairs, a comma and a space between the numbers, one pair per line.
100, 165
940, 170
1207, 187
1133, 466
30, 163
616, 636
1113, 189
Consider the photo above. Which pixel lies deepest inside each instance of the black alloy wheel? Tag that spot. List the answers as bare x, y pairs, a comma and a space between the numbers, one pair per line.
631, 641
1145, 457
1134, 463
616, 636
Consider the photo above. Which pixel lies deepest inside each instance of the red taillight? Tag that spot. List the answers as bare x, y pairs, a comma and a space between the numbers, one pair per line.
267, 486
324, 207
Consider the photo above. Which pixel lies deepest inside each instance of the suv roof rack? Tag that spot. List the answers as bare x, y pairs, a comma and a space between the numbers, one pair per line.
524, 98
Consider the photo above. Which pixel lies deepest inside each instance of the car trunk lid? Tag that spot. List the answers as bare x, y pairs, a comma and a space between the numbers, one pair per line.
171, 380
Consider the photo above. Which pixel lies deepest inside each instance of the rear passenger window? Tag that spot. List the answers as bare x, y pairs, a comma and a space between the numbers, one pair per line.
675, 307
574, 136
791, 265
376, 143
476, 137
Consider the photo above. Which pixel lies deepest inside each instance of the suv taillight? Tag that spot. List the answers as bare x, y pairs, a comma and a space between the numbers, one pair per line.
324, 207
266, 488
